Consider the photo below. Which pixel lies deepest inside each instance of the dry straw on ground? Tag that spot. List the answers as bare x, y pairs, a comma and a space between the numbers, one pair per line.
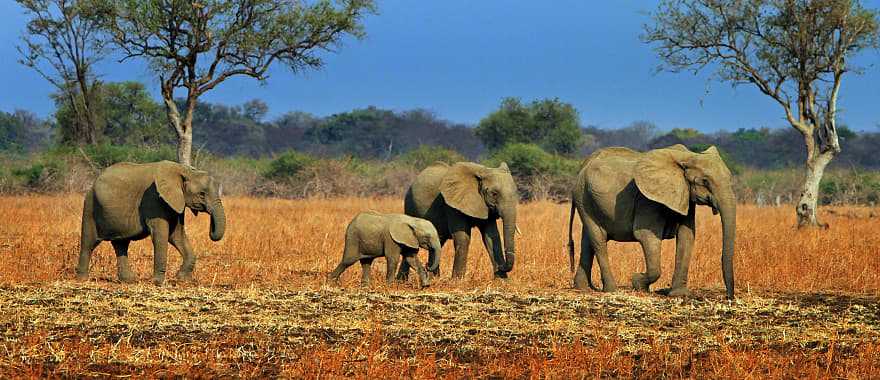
807, 303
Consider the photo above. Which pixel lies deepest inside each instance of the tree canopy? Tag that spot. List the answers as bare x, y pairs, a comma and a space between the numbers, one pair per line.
549, 123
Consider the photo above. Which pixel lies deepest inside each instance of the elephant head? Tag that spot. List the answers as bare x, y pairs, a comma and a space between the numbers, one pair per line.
417, 233
182, 186
677, 178
485, 193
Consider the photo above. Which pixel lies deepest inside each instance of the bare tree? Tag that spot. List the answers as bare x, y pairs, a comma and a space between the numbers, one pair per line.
62, 43
196, 45
794, 51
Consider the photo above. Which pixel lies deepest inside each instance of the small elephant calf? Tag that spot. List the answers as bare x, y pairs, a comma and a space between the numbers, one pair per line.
371, 235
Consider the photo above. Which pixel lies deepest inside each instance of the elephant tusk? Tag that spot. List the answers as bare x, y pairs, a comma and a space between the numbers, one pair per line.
518, 232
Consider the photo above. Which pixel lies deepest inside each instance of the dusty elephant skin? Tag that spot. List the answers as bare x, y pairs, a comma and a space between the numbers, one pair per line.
628, 196
371, 235
460, 197
133, 201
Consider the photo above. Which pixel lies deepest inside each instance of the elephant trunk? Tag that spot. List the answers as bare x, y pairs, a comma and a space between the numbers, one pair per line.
727, 209
218, 220
434, 256
508, 219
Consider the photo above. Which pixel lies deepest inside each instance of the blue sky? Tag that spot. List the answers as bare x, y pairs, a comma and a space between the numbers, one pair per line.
459, 58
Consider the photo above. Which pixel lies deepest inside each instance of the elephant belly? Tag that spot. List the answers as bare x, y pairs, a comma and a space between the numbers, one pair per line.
119, 225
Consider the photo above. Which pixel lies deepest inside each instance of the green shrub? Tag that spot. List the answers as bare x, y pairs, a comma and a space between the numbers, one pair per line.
39, 174
529, 160
425, 155
288, 165
104, 155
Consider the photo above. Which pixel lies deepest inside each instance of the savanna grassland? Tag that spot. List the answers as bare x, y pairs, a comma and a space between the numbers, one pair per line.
807, 303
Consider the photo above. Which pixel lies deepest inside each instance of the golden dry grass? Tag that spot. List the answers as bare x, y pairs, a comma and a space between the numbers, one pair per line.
807, 303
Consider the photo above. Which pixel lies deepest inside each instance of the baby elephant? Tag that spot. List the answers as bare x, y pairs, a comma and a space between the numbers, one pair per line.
371, 235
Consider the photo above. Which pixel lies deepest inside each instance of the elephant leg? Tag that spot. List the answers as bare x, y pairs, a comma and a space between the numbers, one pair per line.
159, 234
413, 260
403, 273
462, 241
350, 255
366, 266
391, 262
88, 242
123, 269
180, 242
392, 259
594, 243
684, 244
648, 230
88, 238
492, 242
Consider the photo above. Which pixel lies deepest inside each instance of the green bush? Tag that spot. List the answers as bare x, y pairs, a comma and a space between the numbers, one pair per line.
104, 155
288, 165
529, 160
39, 174
425, 155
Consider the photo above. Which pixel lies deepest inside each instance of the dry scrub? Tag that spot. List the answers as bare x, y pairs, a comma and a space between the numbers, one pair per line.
807, 302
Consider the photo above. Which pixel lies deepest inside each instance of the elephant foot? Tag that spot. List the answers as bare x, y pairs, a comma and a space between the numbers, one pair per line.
675, 292
609, 288
127, 278
640, 282
185, 277
82, 276
402, 277
158, 281
501, 275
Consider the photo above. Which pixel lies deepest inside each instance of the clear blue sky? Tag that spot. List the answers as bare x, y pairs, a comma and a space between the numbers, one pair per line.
459, 58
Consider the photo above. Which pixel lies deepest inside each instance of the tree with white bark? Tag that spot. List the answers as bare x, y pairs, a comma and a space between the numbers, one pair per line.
196, 45
796, 52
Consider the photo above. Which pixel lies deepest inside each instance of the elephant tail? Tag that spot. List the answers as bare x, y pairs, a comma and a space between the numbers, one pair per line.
570, 240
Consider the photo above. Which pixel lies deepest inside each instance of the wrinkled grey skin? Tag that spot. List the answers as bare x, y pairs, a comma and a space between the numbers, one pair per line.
371, 235
460, 197
133, 201
628, 196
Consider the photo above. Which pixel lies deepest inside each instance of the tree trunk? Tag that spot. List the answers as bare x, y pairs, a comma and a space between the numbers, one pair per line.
807, 206
184, 146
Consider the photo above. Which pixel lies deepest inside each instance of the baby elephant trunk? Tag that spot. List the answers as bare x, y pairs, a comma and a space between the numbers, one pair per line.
434, 256
218, 220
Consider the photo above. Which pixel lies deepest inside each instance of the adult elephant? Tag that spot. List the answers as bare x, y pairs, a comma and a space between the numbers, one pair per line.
132, 201
456, 198
628, 196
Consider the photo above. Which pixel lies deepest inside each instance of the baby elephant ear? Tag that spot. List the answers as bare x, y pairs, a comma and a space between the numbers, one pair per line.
402, 233
461, 190
661, 179
169, 178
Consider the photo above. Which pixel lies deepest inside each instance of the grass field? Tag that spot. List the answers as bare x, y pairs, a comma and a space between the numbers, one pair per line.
807, 302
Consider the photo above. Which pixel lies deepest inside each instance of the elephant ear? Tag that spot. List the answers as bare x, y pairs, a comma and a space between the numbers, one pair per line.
661, 179
402, 233
169, 179
461, 190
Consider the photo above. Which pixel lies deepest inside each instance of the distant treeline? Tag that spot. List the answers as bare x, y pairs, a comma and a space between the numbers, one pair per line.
378, 134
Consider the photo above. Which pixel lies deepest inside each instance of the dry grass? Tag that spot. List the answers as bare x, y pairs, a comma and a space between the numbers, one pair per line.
807, 303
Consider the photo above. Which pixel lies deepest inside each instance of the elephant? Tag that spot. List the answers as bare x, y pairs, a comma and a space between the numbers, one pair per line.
133, 201
370, 235
645, 197
455, 198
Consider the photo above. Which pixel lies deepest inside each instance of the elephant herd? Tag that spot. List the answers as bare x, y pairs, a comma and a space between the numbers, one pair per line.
619, 194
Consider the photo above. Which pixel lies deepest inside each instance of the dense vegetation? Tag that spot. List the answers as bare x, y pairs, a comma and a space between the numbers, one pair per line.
377, 151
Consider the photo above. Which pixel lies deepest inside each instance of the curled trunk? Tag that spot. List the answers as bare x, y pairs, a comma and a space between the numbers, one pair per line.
218, 220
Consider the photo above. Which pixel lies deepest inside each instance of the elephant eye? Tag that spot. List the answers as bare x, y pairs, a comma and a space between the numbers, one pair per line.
705, 181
